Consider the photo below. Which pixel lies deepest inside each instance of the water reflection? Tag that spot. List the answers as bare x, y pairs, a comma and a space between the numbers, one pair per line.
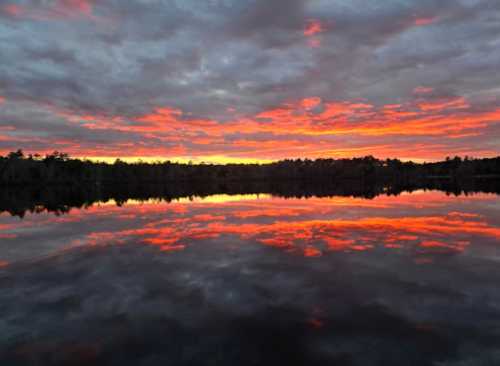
254, 279
60, 199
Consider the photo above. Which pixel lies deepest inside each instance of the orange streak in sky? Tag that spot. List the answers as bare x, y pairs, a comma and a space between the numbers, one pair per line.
312, 28
439, 105
310, 103
336, 118
424, 21
294, 129
312, 252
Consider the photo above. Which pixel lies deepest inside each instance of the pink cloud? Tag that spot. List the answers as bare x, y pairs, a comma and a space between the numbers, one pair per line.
79, 6
55, 10
313, 27
422, 90
311, 32
13, 10
419, 22
308, 127
314, 42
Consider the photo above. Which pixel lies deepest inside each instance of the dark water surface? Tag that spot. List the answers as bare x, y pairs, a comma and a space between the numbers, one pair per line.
412, 279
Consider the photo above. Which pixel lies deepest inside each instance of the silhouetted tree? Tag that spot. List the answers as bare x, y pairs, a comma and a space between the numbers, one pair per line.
59, 168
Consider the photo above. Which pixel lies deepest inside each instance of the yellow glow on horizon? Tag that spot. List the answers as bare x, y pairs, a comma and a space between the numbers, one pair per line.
212, 159
220, 159
224, 198
215, 198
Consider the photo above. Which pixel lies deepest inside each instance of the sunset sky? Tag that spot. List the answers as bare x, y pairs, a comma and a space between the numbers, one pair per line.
250, 80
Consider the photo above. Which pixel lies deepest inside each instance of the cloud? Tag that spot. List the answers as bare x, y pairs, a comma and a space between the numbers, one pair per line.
50, 10
313, 27
236, 69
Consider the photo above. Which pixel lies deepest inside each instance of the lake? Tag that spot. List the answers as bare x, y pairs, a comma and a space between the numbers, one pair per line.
254, 279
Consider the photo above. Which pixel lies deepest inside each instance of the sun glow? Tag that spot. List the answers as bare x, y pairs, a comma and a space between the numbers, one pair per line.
212, 159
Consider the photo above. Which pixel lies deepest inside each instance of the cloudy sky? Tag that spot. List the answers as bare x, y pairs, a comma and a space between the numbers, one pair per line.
241, 80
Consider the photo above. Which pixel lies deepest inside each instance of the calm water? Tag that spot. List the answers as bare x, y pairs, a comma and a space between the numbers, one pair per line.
412, 279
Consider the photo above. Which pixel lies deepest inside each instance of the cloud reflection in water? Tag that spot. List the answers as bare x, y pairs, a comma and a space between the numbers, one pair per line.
254, 280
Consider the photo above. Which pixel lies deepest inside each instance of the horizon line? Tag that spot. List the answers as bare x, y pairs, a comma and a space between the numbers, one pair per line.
228, 160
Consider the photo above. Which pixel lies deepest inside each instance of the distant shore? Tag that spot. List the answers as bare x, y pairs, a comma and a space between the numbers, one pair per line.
59, 168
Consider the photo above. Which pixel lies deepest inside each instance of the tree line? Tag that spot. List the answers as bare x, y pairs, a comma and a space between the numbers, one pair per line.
16, 168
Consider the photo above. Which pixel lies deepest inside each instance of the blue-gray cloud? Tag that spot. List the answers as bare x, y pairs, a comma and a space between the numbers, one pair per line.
212, 59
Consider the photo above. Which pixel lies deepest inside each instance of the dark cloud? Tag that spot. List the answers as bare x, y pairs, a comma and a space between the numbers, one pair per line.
226, 59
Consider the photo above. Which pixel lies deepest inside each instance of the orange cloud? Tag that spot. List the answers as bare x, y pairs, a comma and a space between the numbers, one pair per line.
309, 228
172, 248
436, 246
312, 252
313, 27
310, 238
424, 21
444, 104
306, 127
310, 103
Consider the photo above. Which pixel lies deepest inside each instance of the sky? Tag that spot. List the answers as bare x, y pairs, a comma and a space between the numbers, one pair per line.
250, 80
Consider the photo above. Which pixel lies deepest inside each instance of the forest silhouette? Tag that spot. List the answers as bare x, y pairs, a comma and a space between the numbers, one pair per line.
57, 183
59, 168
